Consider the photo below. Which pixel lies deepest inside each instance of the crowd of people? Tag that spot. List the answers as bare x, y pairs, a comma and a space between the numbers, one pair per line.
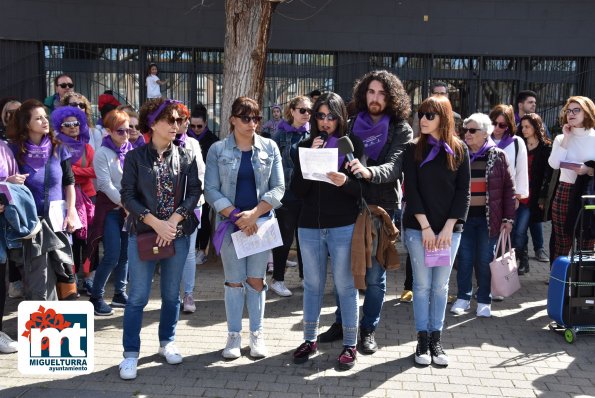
147, 185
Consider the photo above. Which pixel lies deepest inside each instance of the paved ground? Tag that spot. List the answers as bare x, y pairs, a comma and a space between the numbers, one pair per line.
513, 354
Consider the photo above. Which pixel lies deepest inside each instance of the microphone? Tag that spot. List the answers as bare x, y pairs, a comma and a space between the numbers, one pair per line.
346, 148
324, 136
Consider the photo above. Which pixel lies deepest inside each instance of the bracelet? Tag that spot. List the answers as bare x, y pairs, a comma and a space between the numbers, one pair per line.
423, 229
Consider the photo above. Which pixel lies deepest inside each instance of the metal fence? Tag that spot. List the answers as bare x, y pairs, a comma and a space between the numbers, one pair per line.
476, 83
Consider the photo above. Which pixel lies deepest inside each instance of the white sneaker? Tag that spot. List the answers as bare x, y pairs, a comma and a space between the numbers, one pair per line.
171, 354
7, 345
15, 290
291, 264
257, 347
460, 306
201, 257
189, 305
280, 288
128, 368
484, 310
497, 298
233, 346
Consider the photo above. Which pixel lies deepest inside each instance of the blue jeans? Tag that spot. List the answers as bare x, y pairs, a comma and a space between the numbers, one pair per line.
317, 245
536, 229
521, 225
189, 275
476, 247
237, 271
430, 284
115, 256
141, 273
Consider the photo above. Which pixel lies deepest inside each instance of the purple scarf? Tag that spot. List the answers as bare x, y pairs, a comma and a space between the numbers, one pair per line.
436, 145
121, 151
288, 128
506, 140
485, 147
222, 229
332, 142
192, 134
36, 156
181, 140
75, 147
140, 141
374, 136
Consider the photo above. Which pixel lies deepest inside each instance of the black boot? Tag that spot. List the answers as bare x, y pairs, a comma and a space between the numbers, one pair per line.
334, 333
422, 356
439, 357
368, 343
523, 262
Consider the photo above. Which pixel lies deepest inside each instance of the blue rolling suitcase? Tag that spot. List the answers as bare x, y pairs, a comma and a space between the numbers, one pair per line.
571, 293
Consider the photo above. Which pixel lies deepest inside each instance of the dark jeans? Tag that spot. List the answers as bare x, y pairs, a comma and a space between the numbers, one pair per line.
2, 291
287, 216
204, 233
408, 275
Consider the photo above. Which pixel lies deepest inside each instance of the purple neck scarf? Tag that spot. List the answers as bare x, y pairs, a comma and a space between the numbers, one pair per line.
436, 145
284, 126
222, 229
181, 140
506, 140
374, 136
75, 147
121, 151
489, 143
36, 156
332, 142
140, 141
192, 134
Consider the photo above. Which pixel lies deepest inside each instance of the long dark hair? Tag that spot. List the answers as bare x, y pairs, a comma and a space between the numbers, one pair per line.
441, 106
398, 103
535, 120
337, 107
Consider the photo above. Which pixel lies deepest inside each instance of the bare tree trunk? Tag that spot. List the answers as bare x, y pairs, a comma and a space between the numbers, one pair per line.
247, 27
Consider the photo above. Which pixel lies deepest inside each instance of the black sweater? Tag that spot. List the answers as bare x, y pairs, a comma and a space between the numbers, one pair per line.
326, 205
436, 191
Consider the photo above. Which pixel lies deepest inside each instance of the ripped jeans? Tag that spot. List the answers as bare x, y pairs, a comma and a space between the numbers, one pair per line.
237, 271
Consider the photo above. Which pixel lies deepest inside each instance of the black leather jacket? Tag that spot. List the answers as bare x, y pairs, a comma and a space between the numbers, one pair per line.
139, 185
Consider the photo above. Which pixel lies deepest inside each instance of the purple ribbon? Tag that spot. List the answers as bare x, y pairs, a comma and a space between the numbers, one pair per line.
332, 142
288, 128
436, 145
121, 151
373, 136
153, 116
181, 140
506, 140
485, 147
192, 134
140, 141
75, 146
36, 156
222, 229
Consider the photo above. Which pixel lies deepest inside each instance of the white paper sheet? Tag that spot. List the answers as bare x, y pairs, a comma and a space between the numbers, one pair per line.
315, 163
57, 215
267, 237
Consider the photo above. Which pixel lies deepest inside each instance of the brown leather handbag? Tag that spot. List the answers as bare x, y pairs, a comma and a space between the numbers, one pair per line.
148, 249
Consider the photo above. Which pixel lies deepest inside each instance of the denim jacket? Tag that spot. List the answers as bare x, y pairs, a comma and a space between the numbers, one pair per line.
288, 141
223, 164
18, 221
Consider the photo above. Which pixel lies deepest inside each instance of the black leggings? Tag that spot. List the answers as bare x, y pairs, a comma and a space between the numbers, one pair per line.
287, 216
2, 291
204, 233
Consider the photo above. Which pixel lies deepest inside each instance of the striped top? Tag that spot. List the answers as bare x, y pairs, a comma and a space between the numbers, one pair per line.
478, 187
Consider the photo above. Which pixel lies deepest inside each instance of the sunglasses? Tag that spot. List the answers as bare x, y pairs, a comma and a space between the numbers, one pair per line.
471, 130
123, 131
574, 111
303, 111
246, 119
133, 127
81, 105
196, 126
171, 120
329, 116
70, 124
500, 125
65, 85
428, 115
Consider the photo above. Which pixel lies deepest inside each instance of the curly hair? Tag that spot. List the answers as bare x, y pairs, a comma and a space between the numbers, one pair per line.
66, 100
535, 121
151, 106
398, 103
58, 116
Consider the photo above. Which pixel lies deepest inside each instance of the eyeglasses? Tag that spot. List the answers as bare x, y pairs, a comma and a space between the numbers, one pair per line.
439, 93
574, 111
81, 105
500, 125
328, 116
428, 115
171, 120
70, 124
246, 119
471, 130
303, 111
196, 126
64, 85
123, 131
134, 127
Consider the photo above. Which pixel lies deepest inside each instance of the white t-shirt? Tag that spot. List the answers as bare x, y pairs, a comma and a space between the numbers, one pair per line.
153, 90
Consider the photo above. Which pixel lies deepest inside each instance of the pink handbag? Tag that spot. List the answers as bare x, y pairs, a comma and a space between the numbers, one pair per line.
505, 278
